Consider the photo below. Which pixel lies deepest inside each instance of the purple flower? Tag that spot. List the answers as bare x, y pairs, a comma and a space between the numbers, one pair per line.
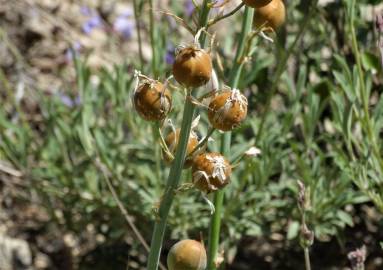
69, 101
92, 23
85, 10
124, 26
169, 56
189, 8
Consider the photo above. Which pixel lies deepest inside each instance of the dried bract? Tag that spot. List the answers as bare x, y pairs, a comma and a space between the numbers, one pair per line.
227, 110
211, 171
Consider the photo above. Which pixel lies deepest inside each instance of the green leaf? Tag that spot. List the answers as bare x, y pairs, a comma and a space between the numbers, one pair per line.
371, 62
293, 230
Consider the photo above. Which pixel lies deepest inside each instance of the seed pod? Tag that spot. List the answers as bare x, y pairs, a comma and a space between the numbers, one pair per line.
227, 110
187, 255
256, 3
272, 15
152, 100
211, 171
192, 67
172, 142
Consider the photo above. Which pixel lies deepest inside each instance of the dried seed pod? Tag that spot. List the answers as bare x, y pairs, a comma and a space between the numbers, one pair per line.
256, 3
192, 67
152, 100
211, 171
227, 110
187, 255
172, 142
272, 15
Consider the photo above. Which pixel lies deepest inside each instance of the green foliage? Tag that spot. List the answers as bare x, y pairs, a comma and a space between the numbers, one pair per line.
317, 131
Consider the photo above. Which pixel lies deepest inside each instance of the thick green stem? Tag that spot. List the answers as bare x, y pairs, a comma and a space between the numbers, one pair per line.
282, 65
215, 223
177, 166
172, 183
307, 258
153, 40
363, 92
139, 40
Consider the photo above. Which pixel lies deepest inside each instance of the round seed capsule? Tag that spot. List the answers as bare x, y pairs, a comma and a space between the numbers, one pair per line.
211, 171
192, 67
187, 255
172, 142
152, 101
272, 15
227, 110
256, 3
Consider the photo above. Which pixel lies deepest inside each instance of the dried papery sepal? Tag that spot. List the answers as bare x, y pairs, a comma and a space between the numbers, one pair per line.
187, 255
227, 110
201, 147
210, 171
151, 99
271, 16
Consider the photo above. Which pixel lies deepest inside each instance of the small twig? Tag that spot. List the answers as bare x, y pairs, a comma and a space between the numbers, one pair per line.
6, 169
210, 132
217, 19
181, 21
123, 210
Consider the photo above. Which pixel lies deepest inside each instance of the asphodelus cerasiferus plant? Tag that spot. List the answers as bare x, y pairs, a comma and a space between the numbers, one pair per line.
187, 255
210, 171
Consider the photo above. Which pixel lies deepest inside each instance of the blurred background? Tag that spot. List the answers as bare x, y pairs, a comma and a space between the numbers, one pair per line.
67, 127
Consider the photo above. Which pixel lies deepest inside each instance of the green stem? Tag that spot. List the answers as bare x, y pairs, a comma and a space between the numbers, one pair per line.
363, 91
139, 40
177, 165
153, 40
307, 258
281, 67
215, 223
172, 183
203, 18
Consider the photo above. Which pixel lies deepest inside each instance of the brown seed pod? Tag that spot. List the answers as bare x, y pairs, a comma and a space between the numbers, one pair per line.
192, 67
152, 100
227, 110
172, 142
272, 15
256, 3
187, 255
211, 171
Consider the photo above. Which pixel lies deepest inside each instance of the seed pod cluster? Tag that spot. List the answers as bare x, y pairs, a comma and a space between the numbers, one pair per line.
272, 15
211, 171
172, 142
192, 67
152, 100
227, 110
187, 255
